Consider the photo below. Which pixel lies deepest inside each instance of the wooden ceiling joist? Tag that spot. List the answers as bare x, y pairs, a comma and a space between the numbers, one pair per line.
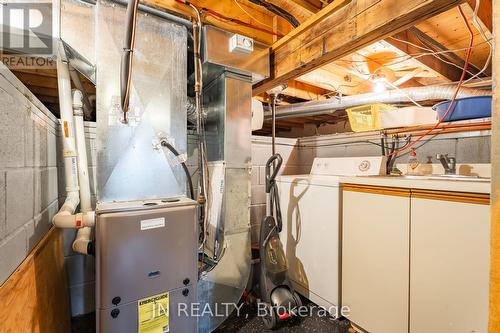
406, 41
305, 91
307, 5
341, 28
437, 47
260, 17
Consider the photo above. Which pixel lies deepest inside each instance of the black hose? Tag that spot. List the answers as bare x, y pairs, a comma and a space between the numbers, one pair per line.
174, 151
278, 11
272, 189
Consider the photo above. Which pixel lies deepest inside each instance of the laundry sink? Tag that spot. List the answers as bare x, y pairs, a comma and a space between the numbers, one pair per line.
448, 177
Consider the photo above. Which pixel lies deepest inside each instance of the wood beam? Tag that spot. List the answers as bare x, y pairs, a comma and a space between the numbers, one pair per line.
228, 9
450, 72
342, 28
494, 308
48, 99
305, 91
307, 5
43, 91
310, 22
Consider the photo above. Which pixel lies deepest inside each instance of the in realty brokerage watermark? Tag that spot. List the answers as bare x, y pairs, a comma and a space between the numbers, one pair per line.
26, 34
263, 309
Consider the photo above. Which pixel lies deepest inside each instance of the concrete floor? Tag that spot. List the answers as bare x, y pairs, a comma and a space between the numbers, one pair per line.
248, 322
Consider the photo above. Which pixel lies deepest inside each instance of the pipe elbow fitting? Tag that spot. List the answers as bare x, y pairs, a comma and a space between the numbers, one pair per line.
81, 246
77, 99
82, 241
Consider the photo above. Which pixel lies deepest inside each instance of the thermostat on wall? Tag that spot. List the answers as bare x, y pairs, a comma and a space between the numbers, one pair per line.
241, 44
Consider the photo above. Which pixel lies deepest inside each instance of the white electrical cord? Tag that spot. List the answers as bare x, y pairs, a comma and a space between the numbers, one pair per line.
479, 27
401, 91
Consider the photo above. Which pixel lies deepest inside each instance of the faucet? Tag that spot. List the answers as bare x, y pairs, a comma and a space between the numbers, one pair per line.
449, 164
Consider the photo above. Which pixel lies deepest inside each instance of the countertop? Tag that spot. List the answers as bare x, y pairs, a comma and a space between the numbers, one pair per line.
466, 186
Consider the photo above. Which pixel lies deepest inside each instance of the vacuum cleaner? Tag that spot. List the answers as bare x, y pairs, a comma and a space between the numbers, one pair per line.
277, 293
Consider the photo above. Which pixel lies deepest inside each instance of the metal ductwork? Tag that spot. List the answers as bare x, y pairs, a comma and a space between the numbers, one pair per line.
227, 103
315, 108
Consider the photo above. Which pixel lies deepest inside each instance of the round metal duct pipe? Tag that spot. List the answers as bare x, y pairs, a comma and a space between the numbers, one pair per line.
320, 107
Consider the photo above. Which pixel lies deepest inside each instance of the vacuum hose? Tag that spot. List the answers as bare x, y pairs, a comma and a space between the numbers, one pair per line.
272, 188
174, 151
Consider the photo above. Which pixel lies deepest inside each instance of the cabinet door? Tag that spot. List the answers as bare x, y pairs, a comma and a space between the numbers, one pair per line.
310, 237
449, 266
375, 259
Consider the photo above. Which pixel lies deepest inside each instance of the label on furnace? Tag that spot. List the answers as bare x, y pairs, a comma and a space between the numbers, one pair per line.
153, 314
153, 223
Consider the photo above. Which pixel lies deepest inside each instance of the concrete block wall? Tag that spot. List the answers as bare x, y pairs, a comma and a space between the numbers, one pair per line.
32, 185
467, 147
292, 164
28, 172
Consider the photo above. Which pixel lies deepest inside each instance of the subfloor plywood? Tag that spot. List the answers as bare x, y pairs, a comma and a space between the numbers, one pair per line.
35, 297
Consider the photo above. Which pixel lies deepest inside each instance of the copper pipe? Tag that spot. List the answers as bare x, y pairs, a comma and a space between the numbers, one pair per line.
451, 130
443, 126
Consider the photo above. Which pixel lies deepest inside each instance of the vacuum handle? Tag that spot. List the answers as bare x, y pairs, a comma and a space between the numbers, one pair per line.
270, 178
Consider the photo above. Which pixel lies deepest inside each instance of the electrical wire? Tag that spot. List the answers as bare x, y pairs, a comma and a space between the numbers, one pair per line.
459, 85
222, 17
251, 16
415, 56
431, 52
127, 57
174, 151
479, 27
278, 11
204, 184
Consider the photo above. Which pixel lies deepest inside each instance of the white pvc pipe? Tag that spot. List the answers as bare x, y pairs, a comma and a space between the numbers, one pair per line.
75, 164
87, 107
69, 149
83, 174
78, 220
82, 240
67, 127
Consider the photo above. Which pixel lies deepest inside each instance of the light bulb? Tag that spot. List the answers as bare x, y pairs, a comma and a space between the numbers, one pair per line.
379, 87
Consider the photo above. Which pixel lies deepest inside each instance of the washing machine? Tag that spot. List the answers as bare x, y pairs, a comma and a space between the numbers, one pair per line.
311, 234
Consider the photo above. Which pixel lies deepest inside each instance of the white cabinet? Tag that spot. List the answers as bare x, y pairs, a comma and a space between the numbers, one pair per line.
311, 237
375, 259
449, 266
415, 261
